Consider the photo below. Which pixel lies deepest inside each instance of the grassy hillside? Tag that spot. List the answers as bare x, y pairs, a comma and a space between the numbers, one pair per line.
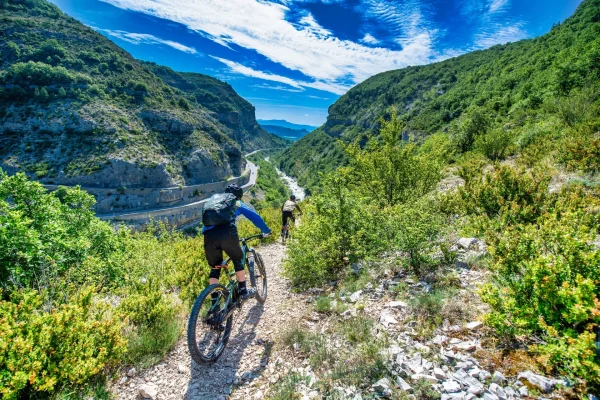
509, 85
76, 108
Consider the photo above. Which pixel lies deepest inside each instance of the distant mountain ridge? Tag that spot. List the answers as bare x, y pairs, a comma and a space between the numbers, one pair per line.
286, 133
77, 109
511, 84
285, 124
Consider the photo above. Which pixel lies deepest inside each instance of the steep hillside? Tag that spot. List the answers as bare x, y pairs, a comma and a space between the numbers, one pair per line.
77, 109
228, 107
510, 84
286, 133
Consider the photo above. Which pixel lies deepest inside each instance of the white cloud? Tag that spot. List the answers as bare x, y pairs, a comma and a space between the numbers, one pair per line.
278, 87
369, 39
500, 35
497, 5
304, 46
144, 38
247, 71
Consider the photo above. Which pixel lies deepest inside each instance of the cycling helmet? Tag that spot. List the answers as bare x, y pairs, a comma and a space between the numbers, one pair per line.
292, 197
235, 190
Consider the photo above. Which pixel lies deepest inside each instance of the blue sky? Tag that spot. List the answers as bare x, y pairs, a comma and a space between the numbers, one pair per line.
293, 58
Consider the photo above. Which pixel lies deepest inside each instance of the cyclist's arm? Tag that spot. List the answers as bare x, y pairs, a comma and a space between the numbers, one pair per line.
253, 217
298, 207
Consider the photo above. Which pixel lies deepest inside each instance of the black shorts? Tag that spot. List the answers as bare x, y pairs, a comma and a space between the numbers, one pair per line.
285, 215
222, 239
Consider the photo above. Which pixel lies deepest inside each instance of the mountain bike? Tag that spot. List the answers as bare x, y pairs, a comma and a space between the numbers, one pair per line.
285, 232
211, 318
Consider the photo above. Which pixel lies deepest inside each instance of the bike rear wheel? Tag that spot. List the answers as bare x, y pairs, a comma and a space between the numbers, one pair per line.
258, 277
209, 326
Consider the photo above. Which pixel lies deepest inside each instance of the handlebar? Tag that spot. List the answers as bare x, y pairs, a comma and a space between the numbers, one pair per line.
259, 236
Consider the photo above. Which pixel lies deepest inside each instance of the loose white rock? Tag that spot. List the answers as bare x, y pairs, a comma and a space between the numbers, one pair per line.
397, 304
546, 385
439, 373
148, 391
355, 296
474, 325
498, 377
403, 385
451, 386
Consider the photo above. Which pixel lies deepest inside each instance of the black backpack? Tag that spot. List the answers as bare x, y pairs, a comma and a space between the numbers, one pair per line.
219, 210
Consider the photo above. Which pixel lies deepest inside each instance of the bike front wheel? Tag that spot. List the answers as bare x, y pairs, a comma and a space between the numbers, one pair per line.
210, 323
258, 277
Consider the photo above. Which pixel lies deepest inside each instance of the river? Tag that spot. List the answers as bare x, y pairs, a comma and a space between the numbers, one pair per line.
291, 183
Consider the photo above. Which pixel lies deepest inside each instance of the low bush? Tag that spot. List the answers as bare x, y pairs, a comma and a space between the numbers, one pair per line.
545, 265
494, 144
45, 349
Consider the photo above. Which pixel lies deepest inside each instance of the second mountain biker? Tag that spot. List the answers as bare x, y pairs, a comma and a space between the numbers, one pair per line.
287, 211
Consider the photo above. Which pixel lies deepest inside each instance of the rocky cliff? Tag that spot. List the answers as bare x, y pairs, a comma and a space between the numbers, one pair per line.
77, 109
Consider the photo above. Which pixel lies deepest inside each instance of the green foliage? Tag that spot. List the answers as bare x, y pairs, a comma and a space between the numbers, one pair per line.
471, 126
11, 51
494, 145
581, 151
44, 350
391, 172
504, 87
38, 73
337, 228
50, 238
364, 210
545, 267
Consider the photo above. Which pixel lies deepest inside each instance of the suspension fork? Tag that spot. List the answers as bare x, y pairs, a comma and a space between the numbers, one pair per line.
250, 260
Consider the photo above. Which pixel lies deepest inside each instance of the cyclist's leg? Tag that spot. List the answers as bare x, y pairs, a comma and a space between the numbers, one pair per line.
231, 245
213, 253
285, 216
214, 257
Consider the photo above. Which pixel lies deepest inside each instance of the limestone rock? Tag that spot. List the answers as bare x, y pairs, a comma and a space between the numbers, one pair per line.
546, 385
355, 296
148, 391
451, 386
498, 378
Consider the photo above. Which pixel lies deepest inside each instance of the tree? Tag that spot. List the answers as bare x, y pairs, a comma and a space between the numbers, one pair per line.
390, 171
471, 125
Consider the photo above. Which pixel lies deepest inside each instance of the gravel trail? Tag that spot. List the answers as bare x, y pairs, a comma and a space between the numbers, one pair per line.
246, 356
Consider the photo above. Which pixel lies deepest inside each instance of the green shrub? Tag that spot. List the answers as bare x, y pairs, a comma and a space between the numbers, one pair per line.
48, 238
45, 350
391, 172
494, 144
468, 128
545, 267
581, 152
11, 52
323, 304
37, 73
155, 323
504, 195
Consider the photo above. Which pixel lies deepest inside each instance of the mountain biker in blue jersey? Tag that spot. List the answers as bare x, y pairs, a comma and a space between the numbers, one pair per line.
221, 235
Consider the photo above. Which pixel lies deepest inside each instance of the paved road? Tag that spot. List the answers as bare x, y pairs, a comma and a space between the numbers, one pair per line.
161, 211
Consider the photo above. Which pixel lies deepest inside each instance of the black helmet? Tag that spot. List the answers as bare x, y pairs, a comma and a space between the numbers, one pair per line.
235, 190
292, 197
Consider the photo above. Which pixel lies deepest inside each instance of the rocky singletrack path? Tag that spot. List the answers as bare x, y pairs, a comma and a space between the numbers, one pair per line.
247, 355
